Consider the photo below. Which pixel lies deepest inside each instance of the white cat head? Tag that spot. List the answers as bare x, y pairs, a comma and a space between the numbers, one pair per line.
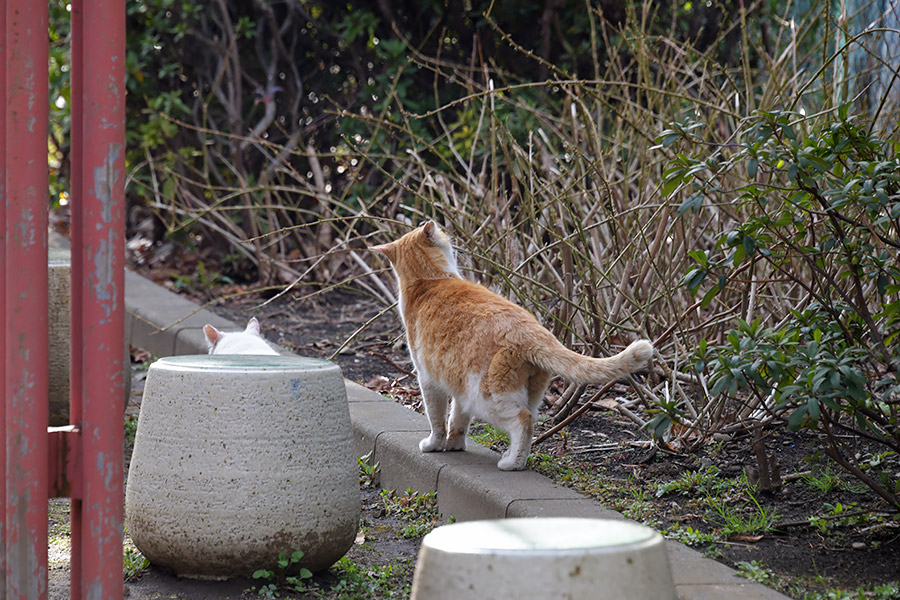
248, 341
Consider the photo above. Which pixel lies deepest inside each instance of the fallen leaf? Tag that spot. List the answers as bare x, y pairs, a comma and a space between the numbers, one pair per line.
607, 403
139, 355
379, 383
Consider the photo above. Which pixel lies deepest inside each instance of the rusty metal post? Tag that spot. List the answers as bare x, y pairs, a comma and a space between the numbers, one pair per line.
76, 196
102, 290
3, 341
25, 324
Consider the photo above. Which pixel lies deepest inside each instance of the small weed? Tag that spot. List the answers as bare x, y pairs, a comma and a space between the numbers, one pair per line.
489, 436
637, 490
886, 591
356, 582
130, 429
743, 522
639, 510
799, 590
823, 479
840, 515
278, 579
716, 446
134, 564
878, 460
693, 482
545, 464
630, 497
420, 510
368, 472
690, 536
822, 525
756, 571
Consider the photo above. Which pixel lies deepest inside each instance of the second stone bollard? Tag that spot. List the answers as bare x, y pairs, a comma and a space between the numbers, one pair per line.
237, 458
557, 558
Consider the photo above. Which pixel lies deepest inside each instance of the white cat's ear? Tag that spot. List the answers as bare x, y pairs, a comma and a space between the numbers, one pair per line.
213, 336
252, 326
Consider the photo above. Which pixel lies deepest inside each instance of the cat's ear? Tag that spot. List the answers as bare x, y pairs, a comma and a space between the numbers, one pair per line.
252, 326
430, 230
386, 249
213, 336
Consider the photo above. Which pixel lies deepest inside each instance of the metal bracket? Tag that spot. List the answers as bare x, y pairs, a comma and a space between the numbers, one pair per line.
64, 472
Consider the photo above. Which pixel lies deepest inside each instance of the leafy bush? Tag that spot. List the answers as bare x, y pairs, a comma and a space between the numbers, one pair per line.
813, 247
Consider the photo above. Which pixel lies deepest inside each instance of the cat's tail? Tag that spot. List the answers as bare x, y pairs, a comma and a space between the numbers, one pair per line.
552, 356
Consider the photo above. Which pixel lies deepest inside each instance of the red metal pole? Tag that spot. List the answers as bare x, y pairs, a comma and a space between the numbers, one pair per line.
26, 299
103, 296
76, 198
3, 340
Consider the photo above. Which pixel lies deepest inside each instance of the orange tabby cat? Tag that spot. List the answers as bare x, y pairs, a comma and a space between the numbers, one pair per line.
491, 356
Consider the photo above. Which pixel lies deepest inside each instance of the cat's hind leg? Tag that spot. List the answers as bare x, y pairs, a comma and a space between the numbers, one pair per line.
508, 394
520, 431
518, 421
458, 428
435, 400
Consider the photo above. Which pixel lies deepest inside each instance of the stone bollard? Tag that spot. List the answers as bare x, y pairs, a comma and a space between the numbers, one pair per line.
237, 458
59, 290
558, 558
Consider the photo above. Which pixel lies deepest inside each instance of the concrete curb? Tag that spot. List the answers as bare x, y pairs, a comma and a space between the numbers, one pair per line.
468, 484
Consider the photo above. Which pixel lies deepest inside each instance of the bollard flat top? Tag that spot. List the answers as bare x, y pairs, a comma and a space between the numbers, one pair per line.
242, 362
537, 535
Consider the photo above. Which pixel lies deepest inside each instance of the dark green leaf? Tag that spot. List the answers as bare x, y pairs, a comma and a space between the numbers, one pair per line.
795, 421
752, 167
708, 297
813, 409
692, 203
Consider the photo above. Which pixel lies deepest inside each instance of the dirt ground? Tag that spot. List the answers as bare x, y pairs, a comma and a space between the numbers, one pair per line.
852, 553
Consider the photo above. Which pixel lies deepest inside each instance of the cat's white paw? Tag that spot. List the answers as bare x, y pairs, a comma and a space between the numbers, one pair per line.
455, 444
509, 463
431, 444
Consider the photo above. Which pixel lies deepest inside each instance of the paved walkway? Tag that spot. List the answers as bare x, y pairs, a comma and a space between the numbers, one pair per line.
468, 484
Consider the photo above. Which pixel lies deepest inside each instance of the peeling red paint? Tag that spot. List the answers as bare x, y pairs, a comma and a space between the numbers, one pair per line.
25, 302
38, 462
3, 259
102, 297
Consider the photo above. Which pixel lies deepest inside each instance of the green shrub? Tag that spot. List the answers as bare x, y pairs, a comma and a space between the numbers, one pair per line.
814, 239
